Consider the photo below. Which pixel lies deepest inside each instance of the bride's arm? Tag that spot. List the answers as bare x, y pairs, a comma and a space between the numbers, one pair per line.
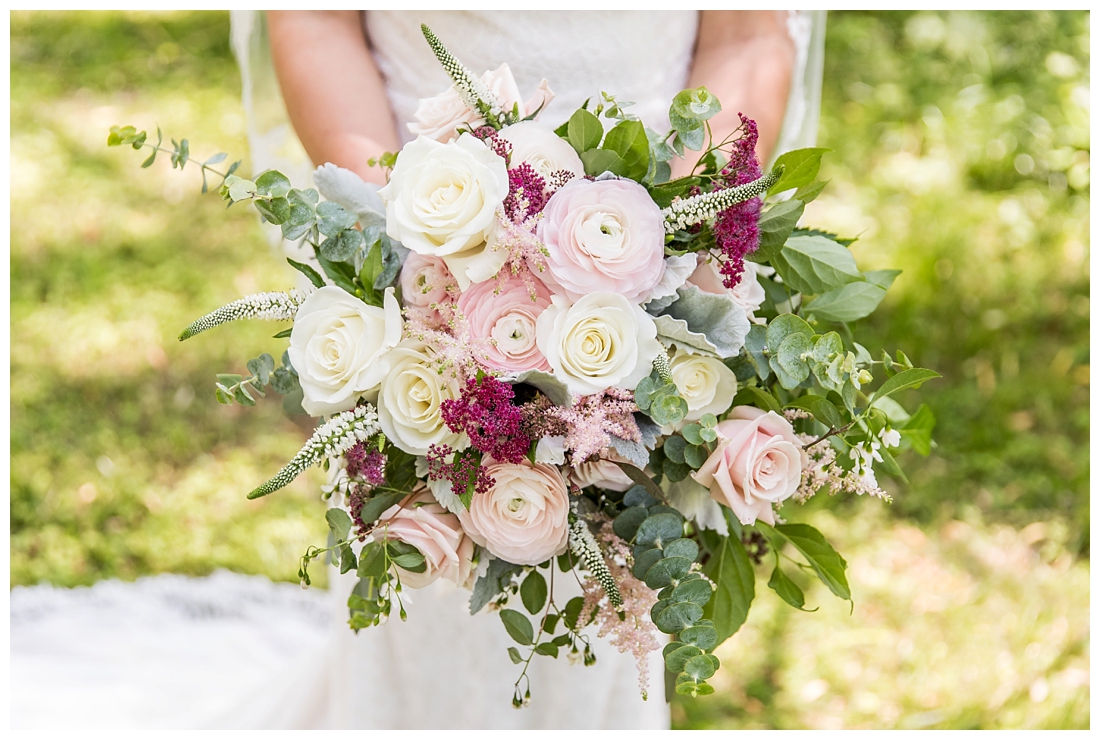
745, 58
334, 93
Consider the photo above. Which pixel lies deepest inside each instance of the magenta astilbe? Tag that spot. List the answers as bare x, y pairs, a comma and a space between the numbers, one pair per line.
491, 138
526, 193
593, 420
370, 465
486, 414
462, 470
736, 229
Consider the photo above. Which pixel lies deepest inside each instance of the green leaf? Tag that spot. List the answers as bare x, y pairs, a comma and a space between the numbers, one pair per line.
347, 558
378, 504
518, 626
637, 475
809, 192
789, 358
731, 570
372, 561
515, 656
340, 273
753, 396
309, 272
339, 523
755, 343
692, 139
273, 183
701, 667
691, 107
307, 198
787, 589
533, 592
414, 562
800, 167
825, 412
644, 561
343, 246
676, 616
242, 396
659, 529
665, 571
703, 635
882, 278
682, 548
547, 648
627, 522
826, 562
584, 131
679, 655
690, 433
239, 188
598, 161
696, 455
815, 265
572, 611
911, 378
918, 430
776, 225
665, 193
332, 218
674, 448
783, 326
847, 303
697, 592
628, 140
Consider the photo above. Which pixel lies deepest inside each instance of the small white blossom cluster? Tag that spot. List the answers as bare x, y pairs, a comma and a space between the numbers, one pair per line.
472, 90
824, 471
275, 306
705, 206
332, 439
793, 415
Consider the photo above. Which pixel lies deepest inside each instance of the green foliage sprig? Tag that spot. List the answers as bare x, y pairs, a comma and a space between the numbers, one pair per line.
180, 152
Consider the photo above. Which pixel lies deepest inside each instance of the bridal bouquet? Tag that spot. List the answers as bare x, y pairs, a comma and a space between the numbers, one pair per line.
537, 358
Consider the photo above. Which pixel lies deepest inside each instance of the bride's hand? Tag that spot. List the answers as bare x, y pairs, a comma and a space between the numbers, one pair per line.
745, 58
334, 93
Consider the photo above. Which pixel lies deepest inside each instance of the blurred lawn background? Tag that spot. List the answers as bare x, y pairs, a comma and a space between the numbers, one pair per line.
962, 157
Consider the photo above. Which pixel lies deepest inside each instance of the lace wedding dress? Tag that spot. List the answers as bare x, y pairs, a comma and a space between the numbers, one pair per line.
234, 651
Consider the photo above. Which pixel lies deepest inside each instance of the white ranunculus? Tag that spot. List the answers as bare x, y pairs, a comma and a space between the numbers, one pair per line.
340, 347
536, 144
599, 342
442, 201
704, 382
410, 397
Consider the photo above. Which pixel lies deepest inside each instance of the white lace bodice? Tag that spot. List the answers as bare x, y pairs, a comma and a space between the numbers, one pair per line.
638, 56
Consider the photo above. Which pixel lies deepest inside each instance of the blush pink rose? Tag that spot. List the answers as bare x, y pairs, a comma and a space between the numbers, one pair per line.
748, 293
503, 315
425, 280
605, 236
524, 519
422, 522
758, 463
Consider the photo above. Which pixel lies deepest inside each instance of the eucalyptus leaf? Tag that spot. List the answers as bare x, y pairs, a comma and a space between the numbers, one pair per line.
273, 183
677, 616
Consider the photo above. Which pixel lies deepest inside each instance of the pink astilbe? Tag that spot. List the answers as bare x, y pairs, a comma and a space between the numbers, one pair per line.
526, 252
593, 420
497, 143
636, 634
453, 351
736, 229
486, 414
537, 423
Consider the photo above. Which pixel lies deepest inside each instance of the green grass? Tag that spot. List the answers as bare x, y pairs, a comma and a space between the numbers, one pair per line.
961, 156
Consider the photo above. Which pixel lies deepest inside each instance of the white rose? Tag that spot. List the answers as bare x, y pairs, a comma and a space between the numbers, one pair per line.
439, 117
599, 342
339, 346
537, 145
442, 200
410, 397
705, 383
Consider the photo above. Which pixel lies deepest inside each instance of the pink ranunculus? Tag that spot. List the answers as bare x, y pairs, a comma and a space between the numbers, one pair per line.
524, 519
748, 293
503, 315
422, 522
758, 463
604, 236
